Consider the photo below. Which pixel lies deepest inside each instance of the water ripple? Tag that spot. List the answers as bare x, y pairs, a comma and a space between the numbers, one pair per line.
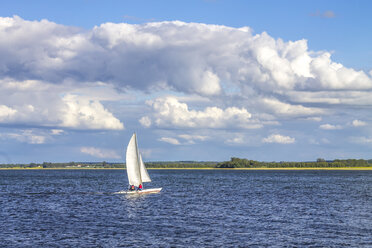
195, 209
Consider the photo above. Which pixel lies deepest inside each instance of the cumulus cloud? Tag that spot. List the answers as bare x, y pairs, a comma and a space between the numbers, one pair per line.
277, 138
330, 127
169, 112
26, 136
6, 112
56, 131
262, 75
100, 153
333, 98
168, 55
235, 140
284, 109
186, 139
169, 140
358, 123
38, 103
145, 121
87, 114
315, 118
192, 138
331, 75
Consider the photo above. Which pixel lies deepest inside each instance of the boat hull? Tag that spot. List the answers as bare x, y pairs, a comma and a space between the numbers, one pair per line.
144, 191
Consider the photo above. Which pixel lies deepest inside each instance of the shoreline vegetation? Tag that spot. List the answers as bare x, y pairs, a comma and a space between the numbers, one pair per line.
234, 163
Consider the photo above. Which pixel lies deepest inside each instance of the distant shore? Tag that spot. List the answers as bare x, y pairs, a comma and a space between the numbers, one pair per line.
293, 168
233, 164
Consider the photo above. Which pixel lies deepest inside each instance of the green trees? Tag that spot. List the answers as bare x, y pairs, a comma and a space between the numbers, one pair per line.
320, 163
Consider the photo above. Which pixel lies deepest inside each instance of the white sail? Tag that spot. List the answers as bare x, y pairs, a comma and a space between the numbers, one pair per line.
132, 162
136, 169
144, 175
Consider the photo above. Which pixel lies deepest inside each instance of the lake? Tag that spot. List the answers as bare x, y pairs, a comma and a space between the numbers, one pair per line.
196, 208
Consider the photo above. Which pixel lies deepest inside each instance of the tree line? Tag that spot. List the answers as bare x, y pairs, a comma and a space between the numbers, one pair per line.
104, 164
233, 163
319, 163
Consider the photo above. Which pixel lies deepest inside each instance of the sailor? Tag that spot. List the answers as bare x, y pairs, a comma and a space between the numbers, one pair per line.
131, 188
140, 187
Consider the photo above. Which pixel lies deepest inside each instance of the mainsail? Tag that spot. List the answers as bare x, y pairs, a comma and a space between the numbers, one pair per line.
136, 169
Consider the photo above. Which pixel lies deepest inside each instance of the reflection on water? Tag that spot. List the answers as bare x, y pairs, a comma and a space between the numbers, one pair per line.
195, 209
133, 204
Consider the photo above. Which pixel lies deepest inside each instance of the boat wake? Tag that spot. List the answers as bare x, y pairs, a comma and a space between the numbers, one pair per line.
140, 192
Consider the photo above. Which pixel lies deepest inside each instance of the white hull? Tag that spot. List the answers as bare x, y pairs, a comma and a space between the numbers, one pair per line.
144, 191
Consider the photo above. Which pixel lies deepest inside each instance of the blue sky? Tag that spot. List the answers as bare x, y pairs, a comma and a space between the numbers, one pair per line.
197, 80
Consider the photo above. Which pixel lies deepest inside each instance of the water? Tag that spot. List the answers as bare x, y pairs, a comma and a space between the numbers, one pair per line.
76, 208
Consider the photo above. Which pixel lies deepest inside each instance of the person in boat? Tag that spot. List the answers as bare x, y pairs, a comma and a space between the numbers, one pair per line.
131, 188
140, 187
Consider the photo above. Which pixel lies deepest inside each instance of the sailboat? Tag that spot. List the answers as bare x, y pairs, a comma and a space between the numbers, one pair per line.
136, 169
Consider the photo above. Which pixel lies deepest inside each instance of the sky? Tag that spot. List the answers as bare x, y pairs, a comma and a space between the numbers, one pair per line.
199, 80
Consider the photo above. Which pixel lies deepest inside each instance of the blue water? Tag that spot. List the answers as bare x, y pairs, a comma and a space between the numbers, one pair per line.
76, 208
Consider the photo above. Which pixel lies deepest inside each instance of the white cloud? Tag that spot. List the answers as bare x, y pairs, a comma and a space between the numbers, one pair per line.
315, 118
210, 84
50, 77
169, 55
169, 112
56, 131
26, 136
100, 153
285, 109
333, 98
358, 123
145, 121
183, 139
331, 75
191, 139
6, 112
82, 113
47, 105
188, 139
277, 138
330, 127
172, 141
235, 140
